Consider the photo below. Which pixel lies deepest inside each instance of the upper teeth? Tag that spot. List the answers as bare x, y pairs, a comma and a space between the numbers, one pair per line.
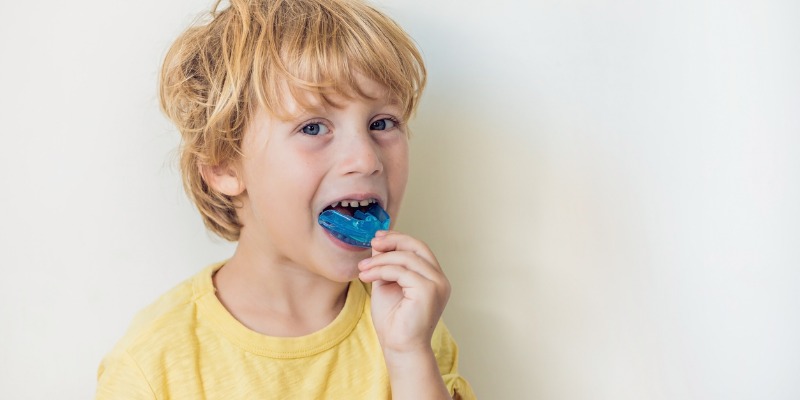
354, 203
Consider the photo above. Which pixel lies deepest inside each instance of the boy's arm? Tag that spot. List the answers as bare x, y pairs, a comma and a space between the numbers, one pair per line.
409, 293
415, 376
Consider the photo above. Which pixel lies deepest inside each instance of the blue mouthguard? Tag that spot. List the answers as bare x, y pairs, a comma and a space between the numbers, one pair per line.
357, 230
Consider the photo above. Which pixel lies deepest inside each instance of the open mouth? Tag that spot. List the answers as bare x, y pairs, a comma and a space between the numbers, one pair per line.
349, 207
354, 222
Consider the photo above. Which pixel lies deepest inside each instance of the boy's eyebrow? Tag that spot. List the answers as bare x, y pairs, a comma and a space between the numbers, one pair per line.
304, 111
394, 101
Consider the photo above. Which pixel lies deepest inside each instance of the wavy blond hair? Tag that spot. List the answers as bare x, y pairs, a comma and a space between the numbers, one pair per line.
219, 71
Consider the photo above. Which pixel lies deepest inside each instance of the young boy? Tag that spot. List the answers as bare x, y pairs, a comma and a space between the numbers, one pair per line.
287, 109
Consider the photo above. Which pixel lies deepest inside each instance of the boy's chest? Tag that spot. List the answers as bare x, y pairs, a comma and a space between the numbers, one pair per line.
352, 369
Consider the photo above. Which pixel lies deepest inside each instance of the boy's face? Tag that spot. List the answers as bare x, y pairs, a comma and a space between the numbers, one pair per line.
291, 170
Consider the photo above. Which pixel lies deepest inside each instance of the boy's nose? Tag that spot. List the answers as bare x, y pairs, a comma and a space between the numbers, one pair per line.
361, 155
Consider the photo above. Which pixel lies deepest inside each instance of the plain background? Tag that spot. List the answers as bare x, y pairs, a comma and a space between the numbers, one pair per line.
612, 187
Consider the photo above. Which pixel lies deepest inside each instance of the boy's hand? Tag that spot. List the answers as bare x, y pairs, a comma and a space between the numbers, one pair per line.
409, 292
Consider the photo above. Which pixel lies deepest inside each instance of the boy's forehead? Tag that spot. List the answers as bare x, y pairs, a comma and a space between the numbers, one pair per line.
296, 101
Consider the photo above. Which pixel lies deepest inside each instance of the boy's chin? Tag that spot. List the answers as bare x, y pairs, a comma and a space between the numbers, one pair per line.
342, 274
340, 260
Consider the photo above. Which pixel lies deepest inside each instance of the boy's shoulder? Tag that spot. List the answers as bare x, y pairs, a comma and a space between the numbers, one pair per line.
169, 318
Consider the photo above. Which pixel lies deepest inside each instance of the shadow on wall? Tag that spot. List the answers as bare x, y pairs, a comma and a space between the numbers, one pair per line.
467, 198
524, 196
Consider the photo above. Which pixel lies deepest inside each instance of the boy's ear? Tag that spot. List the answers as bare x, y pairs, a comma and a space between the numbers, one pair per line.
223, 178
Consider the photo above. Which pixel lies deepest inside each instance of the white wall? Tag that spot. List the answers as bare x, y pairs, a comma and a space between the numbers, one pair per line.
612, 187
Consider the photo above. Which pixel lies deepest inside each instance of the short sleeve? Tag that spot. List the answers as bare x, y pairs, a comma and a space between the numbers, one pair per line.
446, 352
119, 377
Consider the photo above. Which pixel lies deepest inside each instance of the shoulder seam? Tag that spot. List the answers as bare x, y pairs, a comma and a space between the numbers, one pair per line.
153, 323
141, 372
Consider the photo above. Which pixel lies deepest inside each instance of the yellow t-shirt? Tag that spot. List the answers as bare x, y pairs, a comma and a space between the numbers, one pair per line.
187, 346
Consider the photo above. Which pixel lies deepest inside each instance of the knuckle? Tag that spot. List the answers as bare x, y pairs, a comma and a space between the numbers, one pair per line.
444, 287
429, 285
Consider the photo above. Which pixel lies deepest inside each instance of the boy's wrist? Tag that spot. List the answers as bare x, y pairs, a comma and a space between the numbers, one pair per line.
414, 374
408, 357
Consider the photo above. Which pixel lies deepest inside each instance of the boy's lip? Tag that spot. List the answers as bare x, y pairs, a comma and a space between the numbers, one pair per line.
354, 196
343, 245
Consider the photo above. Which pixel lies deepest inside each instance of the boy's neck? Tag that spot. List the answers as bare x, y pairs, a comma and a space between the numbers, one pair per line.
277, 299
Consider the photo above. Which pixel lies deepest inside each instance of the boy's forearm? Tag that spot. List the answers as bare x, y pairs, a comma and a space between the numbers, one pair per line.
415, 376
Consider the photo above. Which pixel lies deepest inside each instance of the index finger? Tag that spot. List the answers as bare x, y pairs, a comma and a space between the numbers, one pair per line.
396, 241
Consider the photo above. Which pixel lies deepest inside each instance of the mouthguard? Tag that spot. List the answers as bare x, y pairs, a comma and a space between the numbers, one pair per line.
359, 229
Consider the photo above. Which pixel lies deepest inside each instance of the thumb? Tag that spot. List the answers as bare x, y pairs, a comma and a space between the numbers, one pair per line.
376, 252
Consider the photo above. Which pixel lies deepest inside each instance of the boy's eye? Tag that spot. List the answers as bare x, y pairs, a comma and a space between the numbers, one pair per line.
382, 125
314, 129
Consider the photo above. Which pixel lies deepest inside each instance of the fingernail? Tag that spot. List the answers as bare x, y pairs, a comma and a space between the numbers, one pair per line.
364, 262
380, 233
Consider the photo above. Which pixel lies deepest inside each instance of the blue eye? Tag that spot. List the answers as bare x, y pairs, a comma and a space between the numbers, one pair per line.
314, 129
382, 125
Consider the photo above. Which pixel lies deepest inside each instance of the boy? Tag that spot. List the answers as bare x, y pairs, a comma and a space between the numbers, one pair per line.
288, 109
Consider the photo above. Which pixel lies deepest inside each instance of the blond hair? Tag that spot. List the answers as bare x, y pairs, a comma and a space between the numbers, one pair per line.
217, 73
